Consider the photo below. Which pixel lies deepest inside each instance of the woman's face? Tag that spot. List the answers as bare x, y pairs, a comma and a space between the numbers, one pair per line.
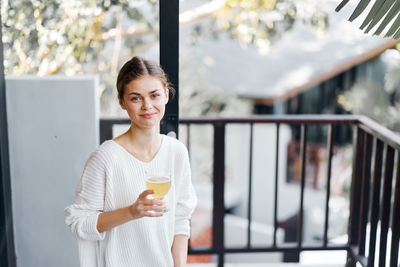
144, 100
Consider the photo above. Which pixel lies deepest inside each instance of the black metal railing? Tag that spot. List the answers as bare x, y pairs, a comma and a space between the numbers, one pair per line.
366, 182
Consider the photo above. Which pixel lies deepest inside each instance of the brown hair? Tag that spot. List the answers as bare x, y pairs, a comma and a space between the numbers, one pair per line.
138, 67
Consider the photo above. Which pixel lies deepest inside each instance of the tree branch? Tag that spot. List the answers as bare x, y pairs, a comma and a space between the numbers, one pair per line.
202, 11
184, 18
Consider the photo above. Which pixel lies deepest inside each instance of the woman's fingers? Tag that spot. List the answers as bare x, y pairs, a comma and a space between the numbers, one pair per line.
145, 193
156, 208
152, 214
152, 202
152, 207
146, 207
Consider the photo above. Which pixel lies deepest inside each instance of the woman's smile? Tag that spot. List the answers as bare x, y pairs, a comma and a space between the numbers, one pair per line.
148, 115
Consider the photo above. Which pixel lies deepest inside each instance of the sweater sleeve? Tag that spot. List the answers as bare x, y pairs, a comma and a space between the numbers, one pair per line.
186, 195
82, 216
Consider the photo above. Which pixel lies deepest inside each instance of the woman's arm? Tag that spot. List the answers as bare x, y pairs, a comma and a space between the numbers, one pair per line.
82, 215
141, 208
179, 250
186, 202
185, 194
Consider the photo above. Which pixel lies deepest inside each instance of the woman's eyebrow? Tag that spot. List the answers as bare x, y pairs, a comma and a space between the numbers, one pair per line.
133, 93
152, 92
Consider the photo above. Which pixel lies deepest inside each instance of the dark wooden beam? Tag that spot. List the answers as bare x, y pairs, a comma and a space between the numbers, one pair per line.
169, 60
7, 250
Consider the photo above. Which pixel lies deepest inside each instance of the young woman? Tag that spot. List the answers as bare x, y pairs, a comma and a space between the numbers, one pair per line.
115, 221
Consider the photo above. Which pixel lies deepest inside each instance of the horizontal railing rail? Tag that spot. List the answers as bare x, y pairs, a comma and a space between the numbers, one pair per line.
366, 183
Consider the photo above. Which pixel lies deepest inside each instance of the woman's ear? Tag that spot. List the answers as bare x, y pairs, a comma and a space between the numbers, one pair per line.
121, 103
166, 95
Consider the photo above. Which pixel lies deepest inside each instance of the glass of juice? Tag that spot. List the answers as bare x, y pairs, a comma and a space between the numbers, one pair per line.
160, 184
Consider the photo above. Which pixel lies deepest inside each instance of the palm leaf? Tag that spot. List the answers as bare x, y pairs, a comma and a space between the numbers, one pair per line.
359, 9
373, 12
397, 34
381, 8
341, 5
379, 15
394, 28
389, 17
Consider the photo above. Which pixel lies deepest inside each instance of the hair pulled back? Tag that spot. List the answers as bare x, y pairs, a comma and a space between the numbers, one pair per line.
138, 67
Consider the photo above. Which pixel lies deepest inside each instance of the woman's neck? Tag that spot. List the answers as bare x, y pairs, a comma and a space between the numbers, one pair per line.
145, 142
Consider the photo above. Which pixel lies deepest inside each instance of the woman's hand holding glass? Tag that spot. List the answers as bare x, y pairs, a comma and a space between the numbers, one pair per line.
160, 182
145, 207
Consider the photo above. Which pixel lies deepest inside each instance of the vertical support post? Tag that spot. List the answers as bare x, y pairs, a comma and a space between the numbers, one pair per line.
303, 147
106, 130
169, 60
7, 250
328, 183
366, 181
250, 188
355, 196
394, 254
188, 137
276, 183
376, 194
385, 206
218, 192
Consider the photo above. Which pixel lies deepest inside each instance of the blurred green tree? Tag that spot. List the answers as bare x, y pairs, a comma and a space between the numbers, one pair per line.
381, 103
72, 37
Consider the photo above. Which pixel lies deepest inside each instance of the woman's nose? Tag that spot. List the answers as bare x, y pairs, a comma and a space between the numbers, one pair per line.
146, 104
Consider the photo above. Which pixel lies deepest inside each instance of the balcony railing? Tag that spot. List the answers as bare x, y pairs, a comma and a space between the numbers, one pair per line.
367, 206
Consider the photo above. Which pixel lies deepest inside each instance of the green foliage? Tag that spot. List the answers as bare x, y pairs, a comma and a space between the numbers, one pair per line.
389, 9
261, 23
73, 37
55, 36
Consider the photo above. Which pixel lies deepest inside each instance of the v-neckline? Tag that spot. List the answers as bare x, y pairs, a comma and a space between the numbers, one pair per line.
135, 158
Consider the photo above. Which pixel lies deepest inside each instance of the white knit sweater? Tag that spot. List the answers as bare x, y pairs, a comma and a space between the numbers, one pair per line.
113, 178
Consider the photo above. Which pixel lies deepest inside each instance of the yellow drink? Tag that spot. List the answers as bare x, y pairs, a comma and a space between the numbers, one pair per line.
160, 185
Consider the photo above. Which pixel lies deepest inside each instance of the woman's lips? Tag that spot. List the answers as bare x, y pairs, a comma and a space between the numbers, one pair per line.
147, 115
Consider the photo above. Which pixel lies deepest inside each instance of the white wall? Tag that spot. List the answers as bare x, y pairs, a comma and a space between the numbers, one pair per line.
52, 128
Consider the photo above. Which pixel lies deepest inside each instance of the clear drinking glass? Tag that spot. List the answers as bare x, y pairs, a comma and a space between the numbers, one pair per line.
160, 182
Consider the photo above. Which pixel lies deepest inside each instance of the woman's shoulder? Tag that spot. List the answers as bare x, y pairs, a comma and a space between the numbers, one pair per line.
106, 147
176, 145
174, 142
103, 152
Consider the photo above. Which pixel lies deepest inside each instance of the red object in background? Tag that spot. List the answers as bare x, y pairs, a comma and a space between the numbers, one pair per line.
204, 239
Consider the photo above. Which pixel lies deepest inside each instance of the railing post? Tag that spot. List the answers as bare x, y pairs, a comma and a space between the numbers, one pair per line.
218, 191
276, 183
394, 254
355, 195
303, 148
366, 181
250, 188
328, 183
106, 130
376, 193
385, 205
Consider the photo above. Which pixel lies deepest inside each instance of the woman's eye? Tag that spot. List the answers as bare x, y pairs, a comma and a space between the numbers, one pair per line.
136, 98
155, 95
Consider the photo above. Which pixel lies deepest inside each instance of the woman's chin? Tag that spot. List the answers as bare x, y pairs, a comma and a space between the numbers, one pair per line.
149, 124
